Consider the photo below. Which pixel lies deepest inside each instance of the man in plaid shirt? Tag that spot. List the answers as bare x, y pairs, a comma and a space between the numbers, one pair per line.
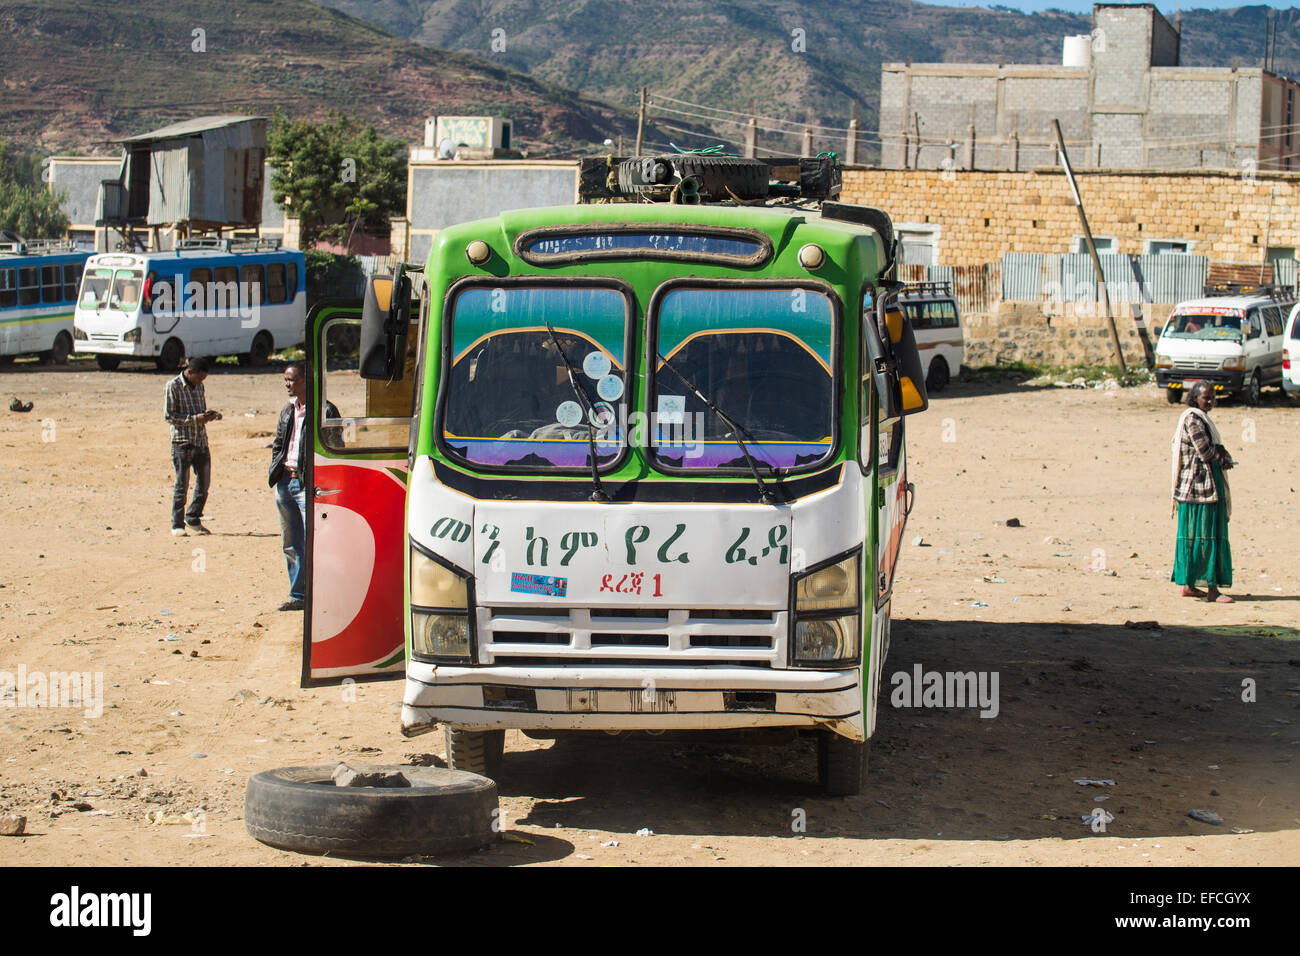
186, 410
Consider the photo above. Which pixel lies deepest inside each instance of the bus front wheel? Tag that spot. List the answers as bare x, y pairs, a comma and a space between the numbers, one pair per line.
841, 764
259, 352
107, 362
61, 350
169, 359
938, 377
476, 751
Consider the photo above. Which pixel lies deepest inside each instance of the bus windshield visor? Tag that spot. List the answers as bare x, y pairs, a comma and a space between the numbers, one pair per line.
509, 399
126, 290
763, 357
1204, 326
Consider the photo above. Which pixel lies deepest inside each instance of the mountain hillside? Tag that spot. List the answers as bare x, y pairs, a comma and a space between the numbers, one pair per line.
75, 73
738, 54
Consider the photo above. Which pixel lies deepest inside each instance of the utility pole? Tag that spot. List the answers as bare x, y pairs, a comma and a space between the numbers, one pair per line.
751, 138
1092, 247
640, 122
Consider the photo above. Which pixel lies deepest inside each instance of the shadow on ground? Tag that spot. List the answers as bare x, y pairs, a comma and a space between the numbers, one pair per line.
1167, 714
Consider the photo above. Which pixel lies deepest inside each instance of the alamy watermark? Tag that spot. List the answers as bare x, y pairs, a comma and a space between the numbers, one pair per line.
83, 689
919, 688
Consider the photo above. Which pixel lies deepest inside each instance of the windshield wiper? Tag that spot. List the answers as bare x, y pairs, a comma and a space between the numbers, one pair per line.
765, 496
598, 493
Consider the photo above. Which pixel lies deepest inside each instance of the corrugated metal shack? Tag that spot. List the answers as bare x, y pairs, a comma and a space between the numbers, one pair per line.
202, 174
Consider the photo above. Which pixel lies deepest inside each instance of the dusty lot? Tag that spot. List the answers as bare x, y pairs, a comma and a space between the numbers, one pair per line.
90, 580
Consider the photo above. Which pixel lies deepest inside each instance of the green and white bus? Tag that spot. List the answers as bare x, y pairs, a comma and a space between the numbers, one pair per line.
625, 467
38, 293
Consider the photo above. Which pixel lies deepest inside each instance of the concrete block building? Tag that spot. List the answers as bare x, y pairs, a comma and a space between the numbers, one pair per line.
1120, 94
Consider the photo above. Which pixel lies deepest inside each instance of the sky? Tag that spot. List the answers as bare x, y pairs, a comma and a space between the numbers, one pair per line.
1085, 6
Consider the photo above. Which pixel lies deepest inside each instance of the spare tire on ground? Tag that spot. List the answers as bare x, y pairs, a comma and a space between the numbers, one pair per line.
442, 811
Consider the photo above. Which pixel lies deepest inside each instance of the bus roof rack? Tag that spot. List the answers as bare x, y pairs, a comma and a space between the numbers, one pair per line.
19, 246
918, 289
694, 178
1275, 292
204, 242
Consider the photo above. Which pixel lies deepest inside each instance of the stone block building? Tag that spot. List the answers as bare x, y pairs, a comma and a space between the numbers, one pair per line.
1120, 94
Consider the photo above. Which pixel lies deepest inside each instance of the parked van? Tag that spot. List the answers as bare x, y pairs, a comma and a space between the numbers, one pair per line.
38, 286
1291, 355
1232, 339
206, 297
931, 308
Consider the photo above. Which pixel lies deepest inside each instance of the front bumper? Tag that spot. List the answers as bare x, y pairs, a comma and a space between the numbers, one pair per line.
630, 698
1221, 380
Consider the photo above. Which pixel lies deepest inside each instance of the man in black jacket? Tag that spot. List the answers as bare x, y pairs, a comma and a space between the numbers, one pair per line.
288, 476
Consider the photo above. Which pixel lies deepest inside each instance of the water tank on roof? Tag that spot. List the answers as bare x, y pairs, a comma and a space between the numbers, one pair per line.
1077, 51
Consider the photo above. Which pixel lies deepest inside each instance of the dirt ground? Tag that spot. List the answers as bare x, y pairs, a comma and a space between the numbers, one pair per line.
201, 672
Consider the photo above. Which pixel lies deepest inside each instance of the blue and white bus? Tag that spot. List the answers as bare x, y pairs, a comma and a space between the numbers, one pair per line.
206, 297
38, 289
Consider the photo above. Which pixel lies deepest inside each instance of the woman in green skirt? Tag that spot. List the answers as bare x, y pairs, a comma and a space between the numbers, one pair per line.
1202, 501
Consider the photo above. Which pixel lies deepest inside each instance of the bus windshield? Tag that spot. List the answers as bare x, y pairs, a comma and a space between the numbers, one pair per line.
126, 290
1197, 325
94, 287
763, 357
509, 402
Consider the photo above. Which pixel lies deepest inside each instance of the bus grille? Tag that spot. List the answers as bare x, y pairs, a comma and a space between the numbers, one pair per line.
631, 637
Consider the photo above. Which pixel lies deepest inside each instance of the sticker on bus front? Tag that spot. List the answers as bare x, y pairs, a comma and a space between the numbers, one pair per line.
524, 583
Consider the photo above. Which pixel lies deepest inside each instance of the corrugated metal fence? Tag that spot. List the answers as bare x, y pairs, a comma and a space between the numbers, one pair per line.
976, 287
1071, 277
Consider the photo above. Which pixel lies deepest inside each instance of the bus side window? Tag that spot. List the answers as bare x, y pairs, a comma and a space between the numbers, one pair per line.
8, 288
225, 288
293, 280
51, 285
276, 290
1252, 326
29, 285
949, 313
917, 316
253, 282
71, 279
201, 279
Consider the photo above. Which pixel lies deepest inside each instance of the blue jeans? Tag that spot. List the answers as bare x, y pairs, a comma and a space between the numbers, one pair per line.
291, 500
185, 457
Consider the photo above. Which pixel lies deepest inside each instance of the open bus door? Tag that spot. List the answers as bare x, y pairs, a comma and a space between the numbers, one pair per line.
356, 490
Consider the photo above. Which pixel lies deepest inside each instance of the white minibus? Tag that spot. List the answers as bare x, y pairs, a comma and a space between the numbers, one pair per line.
206, 297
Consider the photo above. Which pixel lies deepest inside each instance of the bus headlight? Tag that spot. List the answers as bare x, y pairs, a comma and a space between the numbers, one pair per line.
132, 336
825, 614
828, 588
79, 334
1164, 361
827, 640
441, 636
1234, 363
440, 606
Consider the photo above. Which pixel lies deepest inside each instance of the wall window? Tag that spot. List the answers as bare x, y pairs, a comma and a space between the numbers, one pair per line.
1104, 244
1163, 246
918, 243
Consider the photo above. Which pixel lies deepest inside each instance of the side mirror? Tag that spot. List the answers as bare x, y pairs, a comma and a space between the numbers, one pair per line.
385, 318
895, 360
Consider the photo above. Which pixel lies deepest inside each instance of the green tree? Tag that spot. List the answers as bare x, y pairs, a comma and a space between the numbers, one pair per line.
335, 176
27, 207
